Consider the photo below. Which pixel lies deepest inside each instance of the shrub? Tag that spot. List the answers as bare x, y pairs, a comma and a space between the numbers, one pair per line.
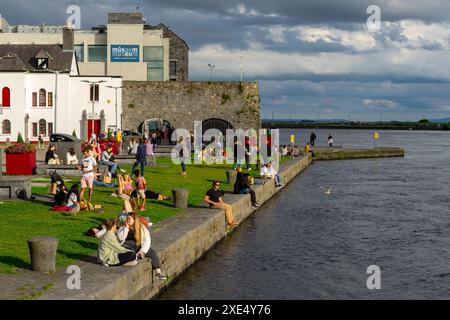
74, 134
19, 138
19, 148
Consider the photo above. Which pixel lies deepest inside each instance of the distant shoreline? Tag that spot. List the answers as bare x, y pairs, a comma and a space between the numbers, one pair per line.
431, 127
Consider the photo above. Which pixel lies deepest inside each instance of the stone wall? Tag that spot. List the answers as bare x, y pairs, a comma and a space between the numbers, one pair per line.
179, 241
182, 103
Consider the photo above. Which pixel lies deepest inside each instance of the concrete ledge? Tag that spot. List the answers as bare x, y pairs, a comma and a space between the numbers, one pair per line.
179, 242
65, 170
346, 154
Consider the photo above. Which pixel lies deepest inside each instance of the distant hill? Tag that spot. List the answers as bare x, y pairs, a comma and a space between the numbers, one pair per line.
307, 120
443, 120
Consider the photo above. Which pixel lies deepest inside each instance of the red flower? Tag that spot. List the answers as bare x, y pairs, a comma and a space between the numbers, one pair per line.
19, 148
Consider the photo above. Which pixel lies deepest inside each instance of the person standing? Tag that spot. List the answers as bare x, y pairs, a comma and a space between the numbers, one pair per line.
40, 142
184, 152
141, 156
119, 141
312, 138
141, 186
89, 166
151, 158
330, 140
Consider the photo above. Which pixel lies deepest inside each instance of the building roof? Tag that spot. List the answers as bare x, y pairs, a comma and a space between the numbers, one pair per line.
125, 18
163, 27
23, 57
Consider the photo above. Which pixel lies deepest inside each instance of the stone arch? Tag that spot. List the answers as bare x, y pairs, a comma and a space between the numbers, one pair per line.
153, 125
216, 123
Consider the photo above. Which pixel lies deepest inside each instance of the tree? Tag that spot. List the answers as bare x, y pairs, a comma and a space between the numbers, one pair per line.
74, 134
19, 138
424, 121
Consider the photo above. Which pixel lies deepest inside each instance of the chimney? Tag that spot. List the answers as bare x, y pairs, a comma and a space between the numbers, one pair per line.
68, 39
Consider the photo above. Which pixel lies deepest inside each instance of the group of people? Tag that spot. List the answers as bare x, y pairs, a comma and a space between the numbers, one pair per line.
243, 185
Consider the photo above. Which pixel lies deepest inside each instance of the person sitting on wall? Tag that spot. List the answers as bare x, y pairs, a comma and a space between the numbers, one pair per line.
110, 252
214, 197
72, 157
51, 157
242, 186
268, 171
308, 149
106, 160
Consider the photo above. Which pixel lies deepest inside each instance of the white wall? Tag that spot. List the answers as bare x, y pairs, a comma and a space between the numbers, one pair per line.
69, 102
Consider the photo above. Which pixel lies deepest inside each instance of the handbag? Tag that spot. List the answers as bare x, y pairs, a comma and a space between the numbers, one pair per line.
106, 177
52, 188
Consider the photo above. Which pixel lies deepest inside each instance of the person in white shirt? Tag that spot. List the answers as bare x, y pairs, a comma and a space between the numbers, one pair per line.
268, 171
72, 157
89, 166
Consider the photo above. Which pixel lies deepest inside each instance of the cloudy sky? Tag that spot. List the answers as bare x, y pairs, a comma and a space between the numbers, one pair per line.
313, 58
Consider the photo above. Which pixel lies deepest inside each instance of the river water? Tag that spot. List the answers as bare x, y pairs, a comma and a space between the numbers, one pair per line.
305, 244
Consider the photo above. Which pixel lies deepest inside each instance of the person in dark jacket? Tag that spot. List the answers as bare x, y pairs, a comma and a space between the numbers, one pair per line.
141, 156
312, 138
242, 186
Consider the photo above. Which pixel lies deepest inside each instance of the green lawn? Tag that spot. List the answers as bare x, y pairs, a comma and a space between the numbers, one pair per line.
22, 220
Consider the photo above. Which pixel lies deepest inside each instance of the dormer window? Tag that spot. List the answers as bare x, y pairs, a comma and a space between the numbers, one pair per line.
42, 63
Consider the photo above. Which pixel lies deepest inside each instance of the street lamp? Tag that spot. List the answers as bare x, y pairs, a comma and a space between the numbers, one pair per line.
115, 88
211, 66
93, 83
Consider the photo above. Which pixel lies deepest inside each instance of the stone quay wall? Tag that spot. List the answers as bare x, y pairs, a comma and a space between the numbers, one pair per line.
182, 103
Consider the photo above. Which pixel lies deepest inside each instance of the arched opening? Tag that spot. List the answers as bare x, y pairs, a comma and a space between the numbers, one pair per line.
43, 127
6, 97
42, 98
215, 123
6, 127
160, 128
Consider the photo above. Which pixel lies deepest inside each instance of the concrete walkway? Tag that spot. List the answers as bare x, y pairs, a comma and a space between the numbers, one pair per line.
179, 241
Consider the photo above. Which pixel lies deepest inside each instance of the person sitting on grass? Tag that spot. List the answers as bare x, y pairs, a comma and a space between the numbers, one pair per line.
110, 252
213, 197
141, 185
71, 204
242, 186
134, 235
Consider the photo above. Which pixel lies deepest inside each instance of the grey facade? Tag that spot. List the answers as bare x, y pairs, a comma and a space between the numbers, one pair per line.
182, 103
178, 54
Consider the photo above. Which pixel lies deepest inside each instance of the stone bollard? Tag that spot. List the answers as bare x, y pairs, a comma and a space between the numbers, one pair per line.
231, 176
43, 254
180, 198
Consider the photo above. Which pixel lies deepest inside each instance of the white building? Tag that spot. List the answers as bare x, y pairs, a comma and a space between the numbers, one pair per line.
42, 92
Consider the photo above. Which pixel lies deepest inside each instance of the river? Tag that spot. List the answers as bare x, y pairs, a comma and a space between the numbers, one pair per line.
304, 244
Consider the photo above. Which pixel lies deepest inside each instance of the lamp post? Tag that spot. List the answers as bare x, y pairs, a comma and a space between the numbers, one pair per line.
115, 88
93, 83
211, 66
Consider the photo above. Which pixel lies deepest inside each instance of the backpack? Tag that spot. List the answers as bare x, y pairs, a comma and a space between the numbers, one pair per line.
86, 205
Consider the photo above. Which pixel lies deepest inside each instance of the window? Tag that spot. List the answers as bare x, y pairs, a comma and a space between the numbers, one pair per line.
79, 52
42, 98
50, 99
6, 97
35, 129
154, 56
42, 63
50, 128
34, 99
42, 127
97, 53
173, 68
6, 127
97, 92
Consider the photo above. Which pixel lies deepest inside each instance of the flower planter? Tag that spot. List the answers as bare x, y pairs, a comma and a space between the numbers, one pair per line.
21, 163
